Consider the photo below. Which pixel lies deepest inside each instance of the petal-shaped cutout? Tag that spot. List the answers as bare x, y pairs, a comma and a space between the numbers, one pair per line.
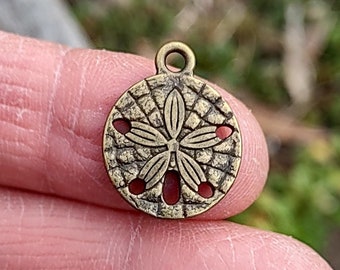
146, 135
189, 170
174, 113
155, 168
201, 138
171, 187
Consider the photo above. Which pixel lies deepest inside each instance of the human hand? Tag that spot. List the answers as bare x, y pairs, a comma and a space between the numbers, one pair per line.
59, 209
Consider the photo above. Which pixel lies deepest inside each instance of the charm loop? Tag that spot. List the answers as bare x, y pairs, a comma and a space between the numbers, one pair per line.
175, 47
172, 145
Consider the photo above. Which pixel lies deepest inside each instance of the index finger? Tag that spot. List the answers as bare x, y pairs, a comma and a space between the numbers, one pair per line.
54, 104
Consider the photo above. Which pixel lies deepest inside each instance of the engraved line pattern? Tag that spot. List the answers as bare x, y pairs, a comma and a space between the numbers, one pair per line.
175, 137
155, 168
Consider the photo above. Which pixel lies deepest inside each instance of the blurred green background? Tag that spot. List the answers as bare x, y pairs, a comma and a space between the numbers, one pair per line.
281, 58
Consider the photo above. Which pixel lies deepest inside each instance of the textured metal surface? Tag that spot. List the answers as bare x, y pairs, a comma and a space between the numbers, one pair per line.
173, 118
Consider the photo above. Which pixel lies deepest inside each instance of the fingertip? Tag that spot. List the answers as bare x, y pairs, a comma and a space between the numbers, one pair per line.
130, 239
71, 92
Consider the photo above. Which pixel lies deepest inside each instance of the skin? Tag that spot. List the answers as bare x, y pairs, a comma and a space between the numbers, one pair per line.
59, 209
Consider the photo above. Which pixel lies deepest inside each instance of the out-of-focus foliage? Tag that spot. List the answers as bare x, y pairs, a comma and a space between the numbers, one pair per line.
302, 200
241, 45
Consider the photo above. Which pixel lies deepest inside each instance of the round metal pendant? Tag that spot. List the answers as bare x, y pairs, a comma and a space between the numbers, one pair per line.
172, 146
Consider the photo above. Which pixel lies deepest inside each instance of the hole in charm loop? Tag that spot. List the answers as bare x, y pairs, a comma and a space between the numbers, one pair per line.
123, 126
175, 47
175, 57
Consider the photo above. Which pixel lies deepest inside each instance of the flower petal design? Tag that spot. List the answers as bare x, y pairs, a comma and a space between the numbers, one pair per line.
154, 169
201, 138
190, 171
146, 135
174, 113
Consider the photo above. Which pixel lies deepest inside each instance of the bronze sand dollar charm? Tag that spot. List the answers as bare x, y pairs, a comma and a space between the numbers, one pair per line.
172, 145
